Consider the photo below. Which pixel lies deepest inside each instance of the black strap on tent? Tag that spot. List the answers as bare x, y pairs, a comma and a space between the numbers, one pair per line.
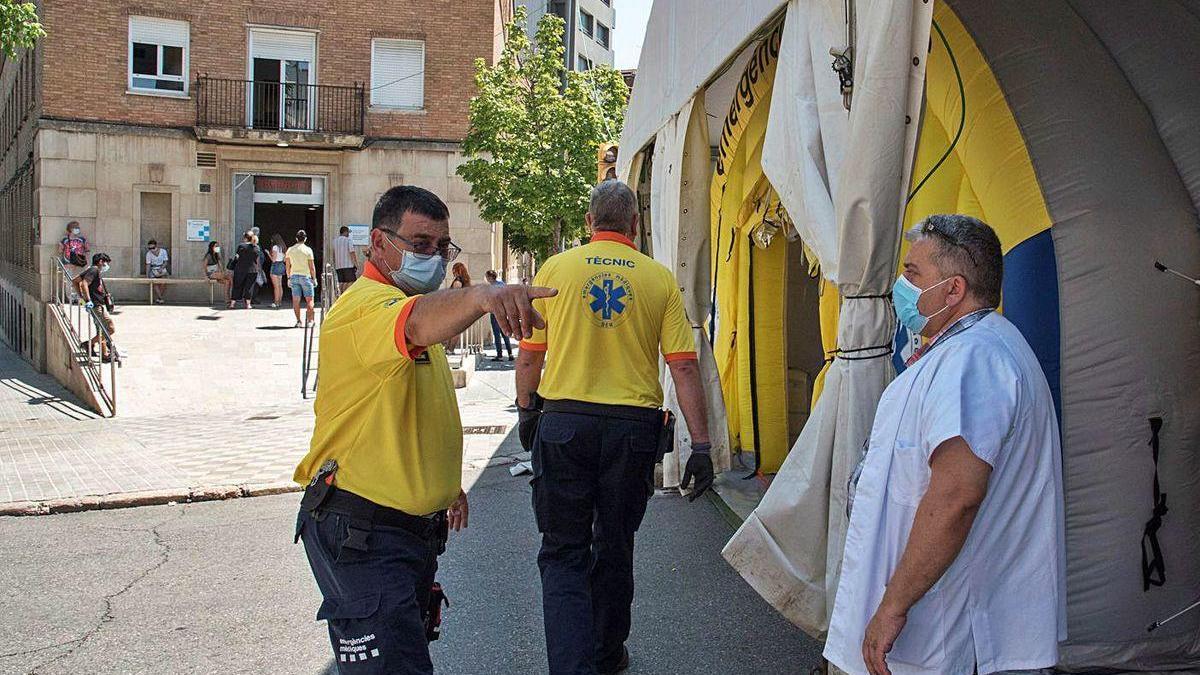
753, 372
1154, 571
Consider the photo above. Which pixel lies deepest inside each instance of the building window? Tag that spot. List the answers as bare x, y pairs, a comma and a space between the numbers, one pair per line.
602, 34
398, 74
158, 55
581, 63
586, 23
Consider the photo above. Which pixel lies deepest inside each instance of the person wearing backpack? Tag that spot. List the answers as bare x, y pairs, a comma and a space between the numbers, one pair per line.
74, 249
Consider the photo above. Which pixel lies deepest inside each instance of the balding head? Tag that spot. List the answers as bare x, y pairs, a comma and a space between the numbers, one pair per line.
613, 208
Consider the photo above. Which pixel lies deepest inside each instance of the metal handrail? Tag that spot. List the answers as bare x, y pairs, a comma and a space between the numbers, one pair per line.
330, 291
82, 325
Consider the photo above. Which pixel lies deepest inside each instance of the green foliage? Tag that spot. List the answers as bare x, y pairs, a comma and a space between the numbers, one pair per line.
535, 131
19, 27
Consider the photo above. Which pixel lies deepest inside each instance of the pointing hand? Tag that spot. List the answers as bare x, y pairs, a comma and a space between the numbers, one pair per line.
513, 308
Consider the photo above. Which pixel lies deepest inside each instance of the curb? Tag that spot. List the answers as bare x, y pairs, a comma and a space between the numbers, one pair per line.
125, 500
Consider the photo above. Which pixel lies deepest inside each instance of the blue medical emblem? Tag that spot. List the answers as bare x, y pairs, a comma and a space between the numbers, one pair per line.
607, 296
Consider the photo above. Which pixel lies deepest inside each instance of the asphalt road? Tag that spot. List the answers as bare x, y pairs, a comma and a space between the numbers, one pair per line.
218, 587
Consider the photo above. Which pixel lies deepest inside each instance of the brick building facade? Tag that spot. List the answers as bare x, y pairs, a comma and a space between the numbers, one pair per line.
135, 118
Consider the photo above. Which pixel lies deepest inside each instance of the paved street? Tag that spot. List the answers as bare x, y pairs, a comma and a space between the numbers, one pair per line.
207, 398
217, 587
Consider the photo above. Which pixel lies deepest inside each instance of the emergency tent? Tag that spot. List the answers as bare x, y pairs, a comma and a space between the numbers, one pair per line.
1070, 127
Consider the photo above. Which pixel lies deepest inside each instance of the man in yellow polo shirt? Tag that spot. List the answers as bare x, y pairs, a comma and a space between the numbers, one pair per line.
598, 436
385, 465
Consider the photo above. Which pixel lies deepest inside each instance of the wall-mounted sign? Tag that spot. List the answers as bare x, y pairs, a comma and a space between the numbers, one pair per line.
360, 235
286, 185
198, 230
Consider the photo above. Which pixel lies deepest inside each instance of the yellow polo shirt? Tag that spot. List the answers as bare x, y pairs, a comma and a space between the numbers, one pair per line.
386, 410
300, 255
615, 312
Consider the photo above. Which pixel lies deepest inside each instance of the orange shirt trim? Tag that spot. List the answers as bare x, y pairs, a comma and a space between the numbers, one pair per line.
532, 346
407, 349
613, 236
680, 356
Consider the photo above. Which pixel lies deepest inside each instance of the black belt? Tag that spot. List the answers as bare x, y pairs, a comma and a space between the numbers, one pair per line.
358, 508
625, 412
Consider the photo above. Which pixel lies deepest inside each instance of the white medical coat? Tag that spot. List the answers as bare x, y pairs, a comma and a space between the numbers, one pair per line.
1002, 602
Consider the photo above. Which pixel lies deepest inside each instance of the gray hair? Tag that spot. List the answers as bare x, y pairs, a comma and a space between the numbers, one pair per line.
966, 247
613, 206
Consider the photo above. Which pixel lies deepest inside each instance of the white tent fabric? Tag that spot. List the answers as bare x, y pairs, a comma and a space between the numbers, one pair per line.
802, 153
678, 229
790, 548
688, 42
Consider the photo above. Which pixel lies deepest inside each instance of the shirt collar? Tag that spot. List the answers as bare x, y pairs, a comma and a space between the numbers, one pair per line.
372, 272
605, 235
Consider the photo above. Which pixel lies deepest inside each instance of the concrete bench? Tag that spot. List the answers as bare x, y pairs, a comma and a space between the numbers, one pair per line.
170, 281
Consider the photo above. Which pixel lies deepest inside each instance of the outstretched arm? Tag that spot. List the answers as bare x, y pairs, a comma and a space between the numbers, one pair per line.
441, 315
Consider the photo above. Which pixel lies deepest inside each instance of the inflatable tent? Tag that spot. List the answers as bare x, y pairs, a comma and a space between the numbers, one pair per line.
1070, 127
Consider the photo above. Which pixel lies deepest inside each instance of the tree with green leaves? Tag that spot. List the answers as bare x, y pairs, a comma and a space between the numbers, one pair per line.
535, 130
19, 27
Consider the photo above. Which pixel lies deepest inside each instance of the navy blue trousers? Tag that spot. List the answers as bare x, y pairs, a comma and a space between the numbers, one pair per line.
593, 477
374, 600
498, 336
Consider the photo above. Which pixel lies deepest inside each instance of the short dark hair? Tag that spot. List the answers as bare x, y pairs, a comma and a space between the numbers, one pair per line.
343, 230
967, 247
613, 207
491, 274
301, 236
98, 258
152, 243
401, 199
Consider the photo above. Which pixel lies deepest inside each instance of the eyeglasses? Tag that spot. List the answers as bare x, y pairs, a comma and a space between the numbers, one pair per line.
449, 251
931, 228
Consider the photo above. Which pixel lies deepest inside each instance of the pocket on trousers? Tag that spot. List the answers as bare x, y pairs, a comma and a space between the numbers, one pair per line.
354, 632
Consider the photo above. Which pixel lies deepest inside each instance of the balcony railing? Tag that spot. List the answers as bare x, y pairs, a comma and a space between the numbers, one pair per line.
280, 106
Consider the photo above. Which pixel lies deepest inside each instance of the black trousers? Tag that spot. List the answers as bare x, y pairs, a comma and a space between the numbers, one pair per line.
243, 285
593, 477
374, 600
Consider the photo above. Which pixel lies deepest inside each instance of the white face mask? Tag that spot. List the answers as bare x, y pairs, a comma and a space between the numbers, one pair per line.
216, 249
75, 231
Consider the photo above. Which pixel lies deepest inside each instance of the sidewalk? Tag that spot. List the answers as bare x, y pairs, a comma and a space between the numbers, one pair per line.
182, 432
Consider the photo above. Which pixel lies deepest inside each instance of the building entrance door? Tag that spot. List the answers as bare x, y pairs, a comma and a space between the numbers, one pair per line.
280, 206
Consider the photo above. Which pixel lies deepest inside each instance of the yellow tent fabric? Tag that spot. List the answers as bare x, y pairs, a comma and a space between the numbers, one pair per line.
748, 278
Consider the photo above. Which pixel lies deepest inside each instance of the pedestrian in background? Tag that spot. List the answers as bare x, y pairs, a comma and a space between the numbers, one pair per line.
74, 249
214, 269
384, 469
955, 558
497, 334
278, 268
90, 286
345, 260
601, 430
245, 271
156, 268
302, 273
462, 279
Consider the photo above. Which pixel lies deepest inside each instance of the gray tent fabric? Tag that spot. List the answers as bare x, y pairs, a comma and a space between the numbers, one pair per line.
1109, 119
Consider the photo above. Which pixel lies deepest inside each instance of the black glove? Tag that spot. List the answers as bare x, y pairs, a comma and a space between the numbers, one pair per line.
700, 467
527, 421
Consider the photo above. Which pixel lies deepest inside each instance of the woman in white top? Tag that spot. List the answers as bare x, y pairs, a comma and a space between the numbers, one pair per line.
277, 268
156, 268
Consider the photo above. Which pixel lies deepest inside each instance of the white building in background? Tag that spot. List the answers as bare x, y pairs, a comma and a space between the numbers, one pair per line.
589, 30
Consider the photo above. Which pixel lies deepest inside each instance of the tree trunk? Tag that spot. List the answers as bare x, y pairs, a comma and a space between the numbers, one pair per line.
558, 244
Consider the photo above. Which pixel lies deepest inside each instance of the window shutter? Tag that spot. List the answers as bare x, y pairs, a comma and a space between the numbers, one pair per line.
397, 73
158, 31
284, 45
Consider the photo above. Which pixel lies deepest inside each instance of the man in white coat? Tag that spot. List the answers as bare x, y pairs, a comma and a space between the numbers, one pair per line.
954, 560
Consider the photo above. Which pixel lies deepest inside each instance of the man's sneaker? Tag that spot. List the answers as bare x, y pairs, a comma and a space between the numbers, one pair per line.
621, 666
510, 357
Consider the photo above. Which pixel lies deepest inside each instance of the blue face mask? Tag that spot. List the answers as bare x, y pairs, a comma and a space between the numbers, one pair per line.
418, 273
905, 295
104, 268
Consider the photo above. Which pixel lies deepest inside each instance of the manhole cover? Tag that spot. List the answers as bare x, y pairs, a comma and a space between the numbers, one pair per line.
484, 430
